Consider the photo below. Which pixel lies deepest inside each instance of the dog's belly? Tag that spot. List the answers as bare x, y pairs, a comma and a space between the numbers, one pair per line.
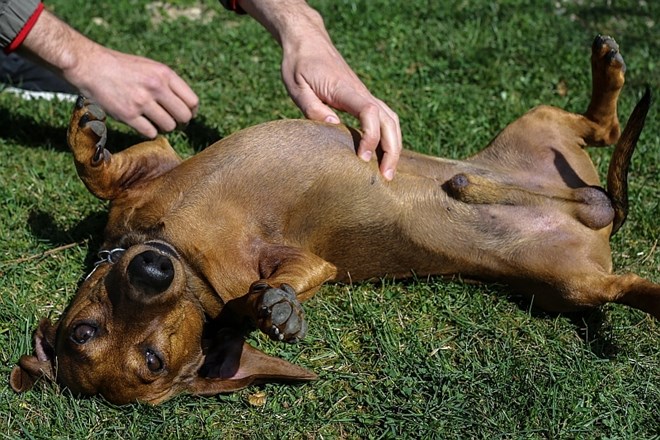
534, 243
311, 191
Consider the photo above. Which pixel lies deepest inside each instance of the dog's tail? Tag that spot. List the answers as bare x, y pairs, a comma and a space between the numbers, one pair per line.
617, 175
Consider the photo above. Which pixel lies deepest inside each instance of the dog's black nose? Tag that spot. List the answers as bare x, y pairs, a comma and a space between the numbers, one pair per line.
151, 272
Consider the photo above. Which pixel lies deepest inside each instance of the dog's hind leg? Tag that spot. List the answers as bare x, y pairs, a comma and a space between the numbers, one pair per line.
107, 175
549, 137
629, 289
599, 125
637, 292
607, 76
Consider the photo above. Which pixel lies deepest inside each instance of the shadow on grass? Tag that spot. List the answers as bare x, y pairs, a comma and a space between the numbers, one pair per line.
89, 229
25, 130
612, 17
200, 135
592, 326
595, 329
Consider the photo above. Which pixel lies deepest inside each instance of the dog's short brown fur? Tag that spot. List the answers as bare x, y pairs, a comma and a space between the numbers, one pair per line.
254, 224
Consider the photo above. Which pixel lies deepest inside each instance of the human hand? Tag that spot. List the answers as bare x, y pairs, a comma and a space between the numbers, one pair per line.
317, 78
145, 94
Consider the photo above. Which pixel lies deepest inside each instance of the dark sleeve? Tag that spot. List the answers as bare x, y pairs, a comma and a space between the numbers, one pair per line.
16, 19
232, 5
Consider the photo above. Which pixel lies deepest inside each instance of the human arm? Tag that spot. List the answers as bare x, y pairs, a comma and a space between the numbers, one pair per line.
145, 94
317, 77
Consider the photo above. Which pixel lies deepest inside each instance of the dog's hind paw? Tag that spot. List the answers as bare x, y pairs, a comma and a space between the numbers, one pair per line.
279, 313
607, 55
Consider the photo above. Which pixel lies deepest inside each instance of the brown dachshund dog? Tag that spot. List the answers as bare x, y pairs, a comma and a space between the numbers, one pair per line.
252, 226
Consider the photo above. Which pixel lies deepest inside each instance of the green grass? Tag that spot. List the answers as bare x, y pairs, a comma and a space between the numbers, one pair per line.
417, 359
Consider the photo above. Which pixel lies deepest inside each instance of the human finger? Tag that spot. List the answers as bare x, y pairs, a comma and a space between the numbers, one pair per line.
379, 124
143, 126
390, 140
176, 108
183, 91
312, 107
159, 117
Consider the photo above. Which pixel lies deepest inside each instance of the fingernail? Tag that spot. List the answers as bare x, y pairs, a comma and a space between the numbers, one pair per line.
389, 174
366, 156
332, 119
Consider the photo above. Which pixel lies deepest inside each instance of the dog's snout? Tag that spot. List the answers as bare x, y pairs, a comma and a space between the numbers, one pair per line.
151, 272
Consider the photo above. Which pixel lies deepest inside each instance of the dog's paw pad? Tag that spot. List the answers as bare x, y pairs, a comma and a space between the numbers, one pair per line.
607, 62
101, 131
280, 314
98, 128
614, 59
607, 49
273, 295
96, 111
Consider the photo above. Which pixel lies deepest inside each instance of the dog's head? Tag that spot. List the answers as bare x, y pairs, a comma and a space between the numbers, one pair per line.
135, 332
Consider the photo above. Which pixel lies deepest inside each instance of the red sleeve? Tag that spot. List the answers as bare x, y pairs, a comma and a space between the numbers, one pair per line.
232, 5
29, 24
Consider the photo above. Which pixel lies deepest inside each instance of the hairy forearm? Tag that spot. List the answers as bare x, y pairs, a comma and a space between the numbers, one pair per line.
56, 44
289, 21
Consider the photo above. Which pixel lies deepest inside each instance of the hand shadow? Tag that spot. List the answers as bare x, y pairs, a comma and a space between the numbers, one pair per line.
26, 131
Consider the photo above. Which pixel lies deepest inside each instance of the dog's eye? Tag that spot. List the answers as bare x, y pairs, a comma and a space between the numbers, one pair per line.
154, 363
83, 333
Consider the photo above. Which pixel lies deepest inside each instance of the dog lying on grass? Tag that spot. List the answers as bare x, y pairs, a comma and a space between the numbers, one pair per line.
251, 227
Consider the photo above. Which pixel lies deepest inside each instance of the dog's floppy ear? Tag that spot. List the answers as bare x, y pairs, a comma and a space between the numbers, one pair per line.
32, 368
233, 364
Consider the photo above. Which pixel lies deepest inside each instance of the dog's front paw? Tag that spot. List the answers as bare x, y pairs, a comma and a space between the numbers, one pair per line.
279, 313
88, 133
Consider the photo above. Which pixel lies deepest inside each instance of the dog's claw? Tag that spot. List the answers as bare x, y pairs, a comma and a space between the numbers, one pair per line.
84, 120
279, 313
80, 101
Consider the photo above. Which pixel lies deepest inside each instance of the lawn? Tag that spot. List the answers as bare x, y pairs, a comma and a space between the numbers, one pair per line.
418, 359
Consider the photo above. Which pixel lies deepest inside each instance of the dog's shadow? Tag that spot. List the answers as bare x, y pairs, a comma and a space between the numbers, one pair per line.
592, 326
595, 329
